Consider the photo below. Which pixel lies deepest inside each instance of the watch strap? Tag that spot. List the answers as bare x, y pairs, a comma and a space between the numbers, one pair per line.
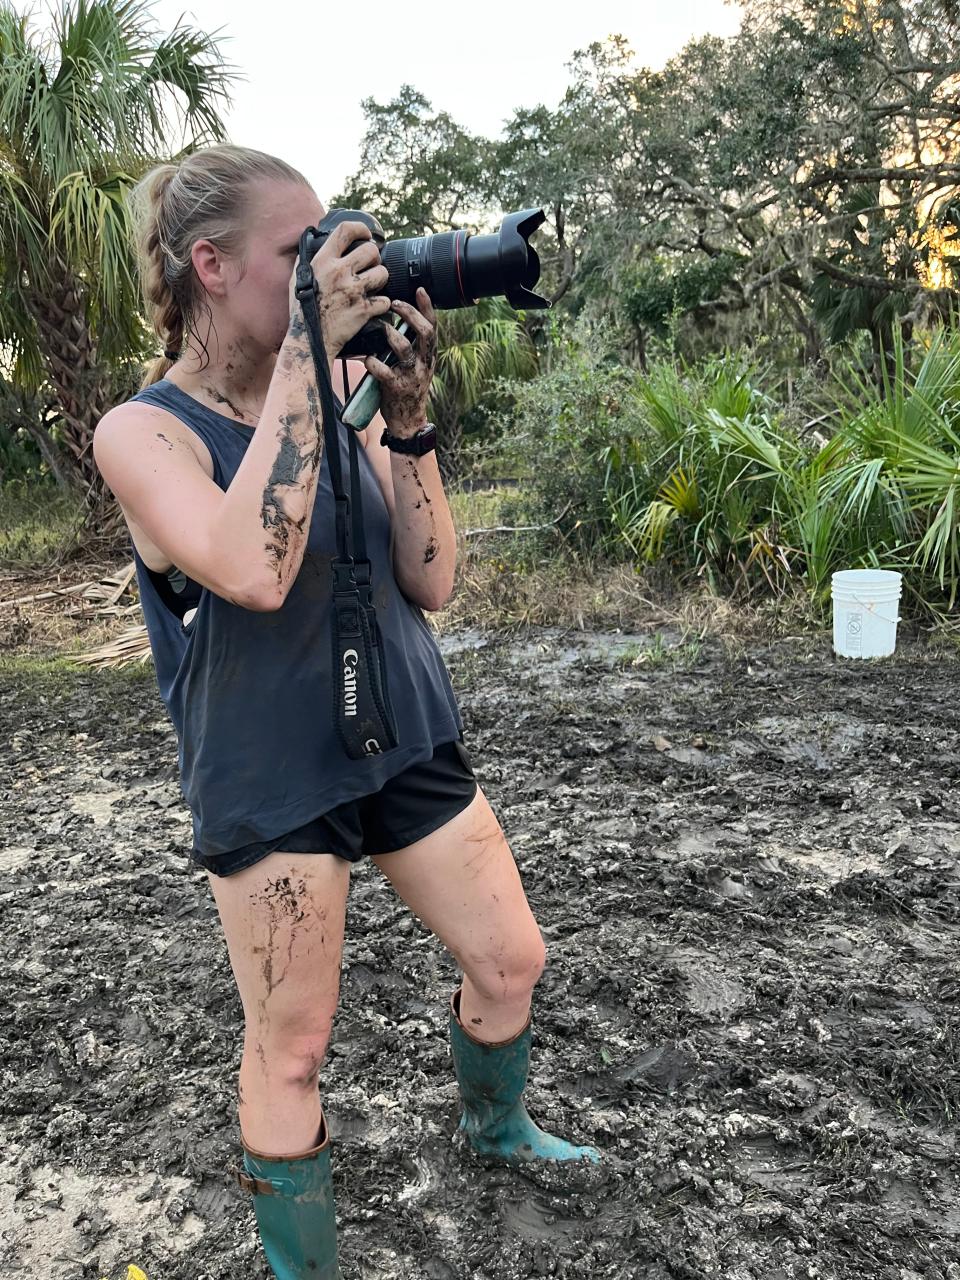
417, 445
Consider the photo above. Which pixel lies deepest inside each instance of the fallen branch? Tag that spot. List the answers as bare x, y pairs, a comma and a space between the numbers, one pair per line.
104, 593
518, 528
46, 595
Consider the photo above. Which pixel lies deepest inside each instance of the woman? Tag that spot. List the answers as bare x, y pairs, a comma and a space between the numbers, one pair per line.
217, 466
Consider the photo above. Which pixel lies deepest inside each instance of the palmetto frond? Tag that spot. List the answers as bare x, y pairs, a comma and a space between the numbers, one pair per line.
106, 88
185, 65
477, 345
680, 492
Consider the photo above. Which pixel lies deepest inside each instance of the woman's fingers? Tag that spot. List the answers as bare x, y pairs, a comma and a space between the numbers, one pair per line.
363, 257
374, 279
426, 306
421, 322
406, 355
342, 237
382, 372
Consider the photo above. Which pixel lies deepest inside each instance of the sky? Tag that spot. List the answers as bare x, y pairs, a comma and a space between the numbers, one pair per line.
301, 96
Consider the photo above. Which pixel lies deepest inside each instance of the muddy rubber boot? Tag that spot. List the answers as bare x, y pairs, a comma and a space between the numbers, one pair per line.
293, 1200
492, 1078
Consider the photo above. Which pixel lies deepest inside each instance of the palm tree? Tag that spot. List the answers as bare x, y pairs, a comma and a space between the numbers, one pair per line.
84, 108
477, 345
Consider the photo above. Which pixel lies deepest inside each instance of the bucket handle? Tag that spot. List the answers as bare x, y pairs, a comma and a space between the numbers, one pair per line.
872, 608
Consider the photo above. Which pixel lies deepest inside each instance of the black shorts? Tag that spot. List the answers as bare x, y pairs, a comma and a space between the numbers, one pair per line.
405, 809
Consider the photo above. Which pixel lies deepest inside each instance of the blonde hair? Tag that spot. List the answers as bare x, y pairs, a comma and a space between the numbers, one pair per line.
202, 197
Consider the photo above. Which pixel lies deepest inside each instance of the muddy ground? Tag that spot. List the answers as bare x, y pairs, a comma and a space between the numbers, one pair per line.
746, 870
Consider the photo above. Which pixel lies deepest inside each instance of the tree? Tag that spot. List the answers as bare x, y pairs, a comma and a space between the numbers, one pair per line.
571, 162
815, 150
83, 111
419, 171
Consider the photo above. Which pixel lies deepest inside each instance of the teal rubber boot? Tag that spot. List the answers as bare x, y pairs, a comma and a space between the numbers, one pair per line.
492, 1077
293, 1201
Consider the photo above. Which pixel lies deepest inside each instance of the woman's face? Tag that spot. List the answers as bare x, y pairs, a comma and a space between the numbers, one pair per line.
259, 279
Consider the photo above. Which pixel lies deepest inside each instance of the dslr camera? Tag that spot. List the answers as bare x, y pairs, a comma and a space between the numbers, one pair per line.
456, 268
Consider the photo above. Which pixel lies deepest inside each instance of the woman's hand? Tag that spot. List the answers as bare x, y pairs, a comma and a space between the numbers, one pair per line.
405, 386
348, 285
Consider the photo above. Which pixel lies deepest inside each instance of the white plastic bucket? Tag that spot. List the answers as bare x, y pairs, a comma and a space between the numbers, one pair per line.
866, 607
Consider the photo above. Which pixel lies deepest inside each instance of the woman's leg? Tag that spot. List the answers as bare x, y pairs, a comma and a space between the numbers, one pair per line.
463, 883
283, 919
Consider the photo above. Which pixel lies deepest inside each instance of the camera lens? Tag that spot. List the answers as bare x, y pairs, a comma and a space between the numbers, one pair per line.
435, 262
456, 268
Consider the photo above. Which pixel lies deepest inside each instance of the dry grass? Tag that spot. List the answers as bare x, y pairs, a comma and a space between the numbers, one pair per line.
494, 593
505, 581
63, 624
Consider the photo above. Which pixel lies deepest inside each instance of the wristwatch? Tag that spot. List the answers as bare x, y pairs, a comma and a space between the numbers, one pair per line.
418, 445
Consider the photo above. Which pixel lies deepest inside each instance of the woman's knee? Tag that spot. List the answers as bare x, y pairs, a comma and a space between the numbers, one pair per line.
291, 1058
509, 974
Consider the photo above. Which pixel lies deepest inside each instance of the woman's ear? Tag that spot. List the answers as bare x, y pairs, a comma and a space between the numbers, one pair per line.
208, 263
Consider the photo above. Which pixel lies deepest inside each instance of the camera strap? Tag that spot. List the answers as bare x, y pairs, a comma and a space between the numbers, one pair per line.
362, 713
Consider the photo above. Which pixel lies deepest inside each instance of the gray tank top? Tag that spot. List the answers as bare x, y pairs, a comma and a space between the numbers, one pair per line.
251, 694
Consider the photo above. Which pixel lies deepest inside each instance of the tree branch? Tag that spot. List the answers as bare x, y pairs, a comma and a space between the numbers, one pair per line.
882, 284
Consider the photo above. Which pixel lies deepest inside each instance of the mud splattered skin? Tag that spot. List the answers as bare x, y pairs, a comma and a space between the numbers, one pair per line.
411, 468
242, 415
432, 548
295, 464
287, 904
403, 401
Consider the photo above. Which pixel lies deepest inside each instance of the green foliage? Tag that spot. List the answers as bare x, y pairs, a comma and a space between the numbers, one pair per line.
559, 425
19, 457
419, 170
84, 110
656, 290
478, 347
81, 114
697, 468
780, 181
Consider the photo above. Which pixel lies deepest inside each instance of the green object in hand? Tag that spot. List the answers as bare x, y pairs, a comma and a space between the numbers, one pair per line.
363, 404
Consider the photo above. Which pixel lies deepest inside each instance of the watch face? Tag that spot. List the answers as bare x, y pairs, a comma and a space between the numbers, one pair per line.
426, 439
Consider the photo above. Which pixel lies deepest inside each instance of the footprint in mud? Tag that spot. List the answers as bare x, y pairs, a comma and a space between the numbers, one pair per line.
425, 1179
345, 1128
533, 1219
213, 1200
707, 990
429, 1168
659, 1069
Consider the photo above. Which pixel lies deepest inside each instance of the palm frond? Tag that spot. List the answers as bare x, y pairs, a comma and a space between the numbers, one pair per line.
92, 223
680, 492
186, 72
748, 439
84, 107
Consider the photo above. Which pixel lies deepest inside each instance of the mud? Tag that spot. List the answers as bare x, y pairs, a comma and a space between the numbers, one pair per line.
746, 871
